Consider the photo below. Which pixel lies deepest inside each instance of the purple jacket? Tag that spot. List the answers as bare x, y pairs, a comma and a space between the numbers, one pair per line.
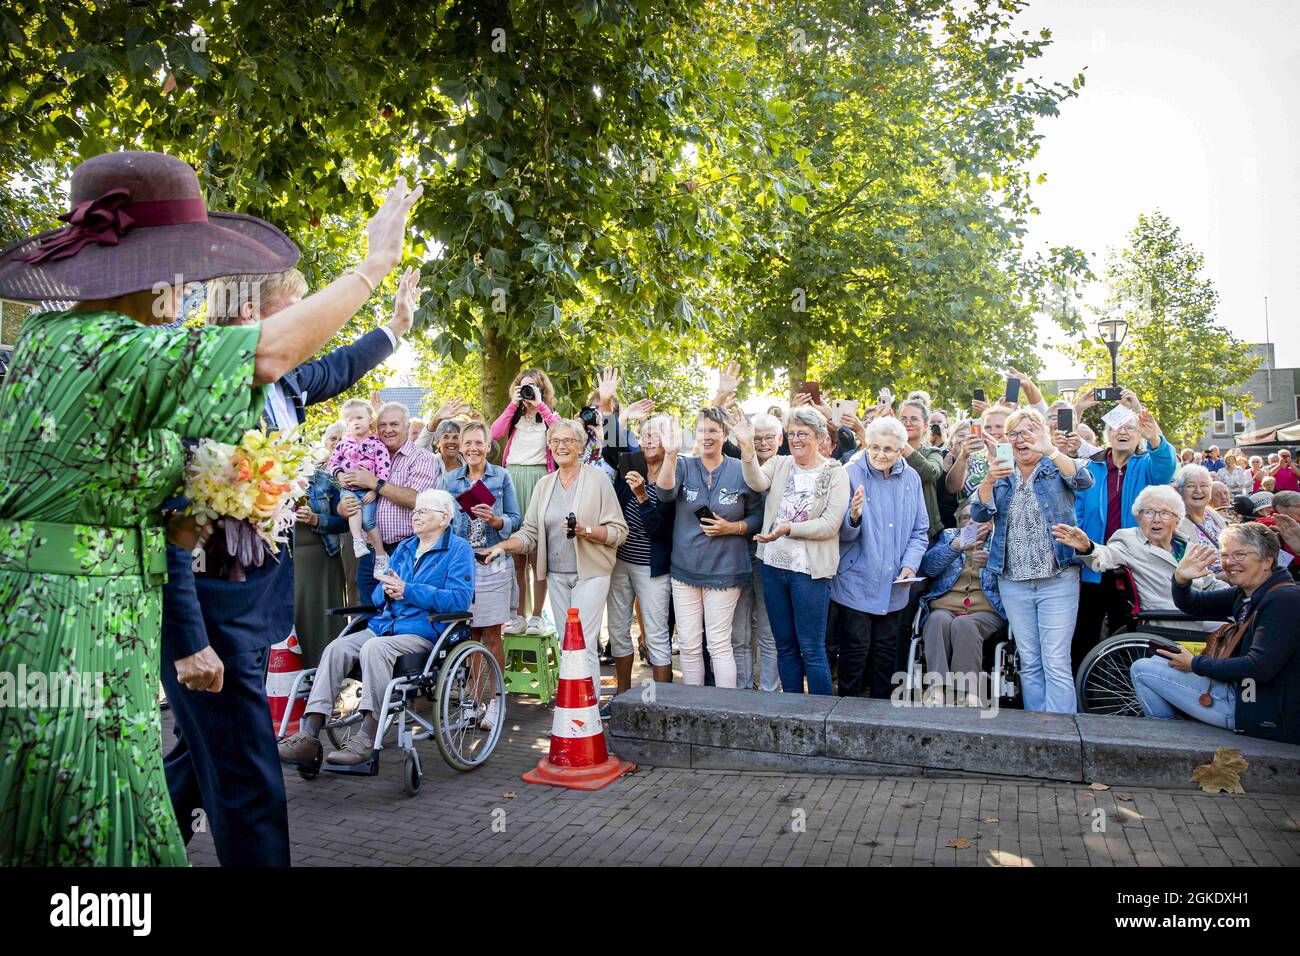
892, 534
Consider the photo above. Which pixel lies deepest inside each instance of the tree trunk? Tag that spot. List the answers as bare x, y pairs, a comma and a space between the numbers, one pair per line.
500, 363
798, 370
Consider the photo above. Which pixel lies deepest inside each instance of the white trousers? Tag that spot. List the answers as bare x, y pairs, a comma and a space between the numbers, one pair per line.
705, 614
564, 591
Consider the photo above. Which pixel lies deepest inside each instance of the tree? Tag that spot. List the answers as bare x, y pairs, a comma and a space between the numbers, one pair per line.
1176, 356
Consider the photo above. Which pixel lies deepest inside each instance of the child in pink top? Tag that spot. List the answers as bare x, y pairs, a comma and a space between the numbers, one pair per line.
360, 447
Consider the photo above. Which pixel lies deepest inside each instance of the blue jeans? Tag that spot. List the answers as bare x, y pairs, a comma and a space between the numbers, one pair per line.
1162, 691
367, 510
796, 608
1042, 614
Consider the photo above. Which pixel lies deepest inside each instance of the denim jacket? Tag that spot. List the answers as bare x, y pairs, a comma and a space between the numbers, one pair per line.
943, 566
506, 506
1055, 494
323, 499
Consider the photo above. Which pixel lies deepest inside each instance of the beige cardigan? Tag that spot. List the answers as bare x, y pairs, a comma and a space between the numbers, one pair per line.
594, 503
821, 532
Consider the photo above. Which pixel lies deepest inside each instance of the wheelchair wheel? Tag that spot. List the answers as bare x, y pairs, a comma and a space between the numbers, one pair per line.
411, 773
1103, 683
468, 681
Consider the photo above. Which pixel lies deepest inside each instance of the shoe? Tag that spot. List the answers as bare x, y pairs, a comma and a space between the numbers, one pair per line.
357, 750
516, 625
535, 626
299, 750
359, 548
607, 654
490, 715
604, 710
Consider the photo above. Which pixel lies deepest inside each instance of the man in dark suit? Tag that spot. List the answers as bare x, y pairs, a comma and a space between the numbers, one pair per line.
224, 772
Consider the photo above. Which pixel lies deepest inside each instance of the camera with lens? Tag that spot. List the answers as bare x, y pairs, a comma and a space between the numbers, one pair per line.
527, 393
571, 525
590, 418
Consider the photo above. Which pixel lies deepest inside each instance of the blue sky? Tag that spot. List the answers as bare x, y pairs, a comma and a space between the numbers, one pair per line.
1190, 107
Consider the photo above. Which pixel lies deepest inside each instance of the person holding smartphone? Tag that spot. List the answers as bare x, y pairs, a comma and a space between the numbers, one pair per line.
1038, 577
716, 512
483, 526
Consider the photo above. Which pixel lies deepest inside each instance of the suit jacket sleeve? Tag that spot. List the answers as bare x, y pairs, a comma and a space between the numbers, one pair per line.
184, 632
323, 378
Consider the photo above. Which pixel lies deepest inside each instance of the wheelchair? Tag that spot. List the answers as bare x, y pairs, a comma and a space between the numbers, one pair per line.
455, 675
1103, 683
1001, 664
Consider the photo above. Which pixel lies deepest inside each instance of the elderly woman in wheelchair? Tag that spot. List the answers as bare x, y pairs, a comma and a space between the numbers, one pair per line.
430, 576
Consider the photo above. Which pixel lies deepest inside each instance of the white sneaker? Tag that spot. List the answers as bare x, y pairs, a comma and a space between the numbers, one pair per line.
536, 626
359, 548
490, 717
516, 625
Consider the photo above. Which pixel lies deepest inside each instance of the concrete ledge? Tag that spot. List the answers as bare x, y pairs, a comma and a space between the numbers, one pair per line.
1132, 751
707, 728
1009, 743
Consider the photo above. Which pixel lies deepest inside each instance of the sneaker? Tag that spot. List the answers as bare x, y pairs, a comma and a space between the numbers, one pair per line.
359, 547
516, 625
604, 710
535, 626
490, 715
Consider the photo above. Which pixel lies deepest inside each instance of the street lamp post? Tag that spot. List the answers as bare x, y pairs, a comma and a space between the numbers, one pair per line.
1112, 332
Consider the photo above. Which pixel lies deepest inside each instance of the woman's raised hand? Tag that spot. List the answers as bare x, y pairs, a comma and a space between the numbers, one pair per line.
742, 428
386, 232
405, 301
671, 438
1069, 535
855, 508
1197, 561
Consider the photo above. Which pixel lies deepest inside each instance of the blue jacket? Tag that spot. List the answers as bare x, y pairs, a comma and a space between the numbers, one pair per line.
1055, 494
942, 565
1154, 467
506, 506
323, 498
892, 534
258, 612
439, 582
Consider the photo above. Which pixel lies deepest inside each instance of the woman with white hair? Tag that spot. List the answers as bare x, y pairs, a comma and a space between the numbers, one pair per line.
1150, 551
883, 538
1202, 524
430, 572
799, 548
574, 525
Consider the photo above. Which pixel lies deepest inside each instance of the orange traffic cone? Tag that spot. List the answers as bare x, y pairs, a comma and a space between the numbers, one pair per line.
578, 758
282, 668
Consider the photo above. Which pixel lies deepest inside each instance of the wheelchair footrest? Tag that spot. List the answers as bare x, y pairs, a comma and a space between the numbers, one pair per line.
369, 768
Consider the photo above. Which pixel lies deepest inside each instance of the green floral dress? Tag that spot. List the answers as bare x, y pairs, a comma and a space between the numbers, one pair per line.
90, 418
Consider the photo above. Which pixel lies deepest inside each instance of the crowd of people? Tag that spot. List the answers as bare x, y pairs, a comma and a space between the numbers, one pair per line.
796, 550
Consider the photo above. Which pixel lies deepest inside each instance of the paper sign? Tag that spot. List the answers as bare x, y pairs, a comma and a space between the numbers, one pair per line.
477, 494
1119, 416
969, 533
908, 580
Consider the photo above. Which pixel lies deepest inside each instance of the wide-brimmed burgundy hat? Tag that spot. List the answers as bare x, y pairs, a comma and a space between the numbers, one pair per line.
137, 220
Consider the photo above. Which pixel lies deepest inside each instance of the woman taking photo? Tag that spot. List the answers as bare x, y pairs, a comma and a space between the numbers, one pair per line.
1038, 577
574, 525
484, 526
715, 512
807, 495
86, 550
523, 426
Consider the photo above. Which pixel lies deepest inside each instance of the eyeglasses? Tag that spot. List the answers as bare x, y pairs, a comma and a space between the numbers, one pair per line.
799, 435
883, 450
1020, 433
1153, 513
425, 512
1240, 556
562, 442
911, 420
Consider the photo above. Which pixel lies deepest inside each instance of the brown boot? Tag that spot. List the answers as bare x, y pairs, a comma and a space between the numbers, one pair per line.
299, 750
359, 748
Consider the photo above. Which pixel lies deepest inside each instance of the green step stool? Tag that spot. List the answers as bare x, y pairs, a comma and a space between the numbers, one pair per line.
532, 664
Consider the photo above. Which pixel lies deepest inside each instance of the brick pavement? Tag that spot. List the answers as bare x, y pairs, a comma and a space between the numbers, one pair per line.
696, 817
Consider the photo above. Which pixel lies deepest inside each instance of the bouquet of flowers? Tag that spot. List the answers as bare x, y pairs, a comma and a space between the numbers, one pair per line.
248, 491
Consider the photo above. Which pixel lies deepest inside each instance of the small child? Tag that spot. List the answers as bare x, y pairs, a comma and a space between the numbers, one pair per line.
361, 448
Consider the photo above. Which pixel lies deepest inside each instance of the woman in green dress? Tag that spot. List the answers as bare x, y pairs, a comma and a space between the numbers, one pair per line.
91, 414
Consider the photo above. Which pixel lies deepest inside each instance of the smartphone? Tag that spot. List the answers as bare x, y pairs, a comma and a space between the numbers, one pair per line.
1065, 419
1004, 451
1156, 646
480, 557
841, 406
813, 389
977, 428
571, 523
1013, 391
1111, 393
978, 395
703, 512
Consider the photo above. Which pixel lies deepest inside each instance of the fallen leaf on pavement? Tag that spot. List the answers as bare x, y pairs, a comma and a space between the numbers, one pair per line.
1126, 797
1223, 774
992, 820
961, 843
1099, 786
509, 794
